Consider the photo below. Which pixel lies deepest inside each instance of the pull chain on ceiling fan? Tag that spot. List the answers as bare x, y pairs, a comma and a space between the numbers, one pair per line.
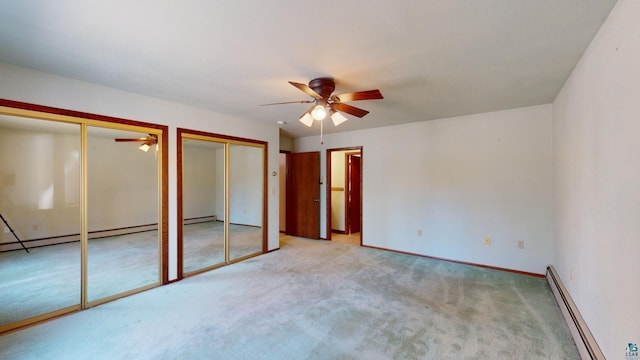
320, 90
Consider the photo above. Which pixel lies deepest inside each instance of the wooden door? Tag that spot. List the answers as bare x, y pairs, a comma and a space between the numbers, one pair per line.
303, 195
353, 194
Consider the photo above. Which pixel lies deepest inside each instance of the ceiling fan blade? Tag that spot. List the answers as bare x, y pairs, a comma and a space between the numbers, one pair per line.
290, 102
152, 139
306, 89
359, 95
352, 110
132, 139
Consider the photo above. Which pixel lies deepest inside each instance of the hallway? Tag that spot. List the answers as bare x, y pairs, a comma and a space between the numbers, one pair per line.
353, 239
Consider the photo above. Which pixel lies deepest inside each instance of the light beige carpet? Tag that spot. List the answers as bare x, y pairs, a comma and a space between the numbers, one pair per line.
48, 278
316, 300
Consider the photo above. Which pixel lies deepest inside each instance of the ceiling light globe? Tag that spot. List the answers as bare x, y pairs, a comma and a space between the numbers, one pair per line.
306, 119
144, 147
338, 118
318, 112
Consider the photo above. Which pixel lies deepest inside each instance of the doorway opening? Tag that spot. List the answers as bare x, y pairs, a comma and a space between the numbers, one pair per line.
344, 195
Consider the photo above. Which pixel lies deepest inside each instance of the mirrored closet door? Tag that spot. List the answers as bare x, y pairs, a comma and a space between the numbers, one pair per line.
123, 242
203, 204
83, 211
246, 183
40, 211
221, 200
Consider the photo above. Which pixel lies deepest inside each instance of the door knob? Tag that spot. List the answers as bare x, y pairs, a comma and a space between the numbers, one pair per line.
316, 200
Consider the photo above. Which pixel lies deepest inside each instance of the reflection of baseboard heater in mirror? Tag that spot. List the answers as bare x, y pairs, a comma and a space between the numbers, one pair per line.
201, 219
97, 234
63, 239
241, 224
582, 336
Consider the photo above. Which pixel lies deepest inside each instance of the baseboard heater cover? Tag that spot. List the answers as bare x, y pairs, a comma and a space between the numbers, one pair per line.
586, 343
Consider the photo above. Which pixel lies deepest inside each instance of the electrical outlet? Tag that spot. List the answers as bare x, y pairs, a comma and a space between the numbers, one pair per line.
520, 244
419, 232
35, 227
487, 240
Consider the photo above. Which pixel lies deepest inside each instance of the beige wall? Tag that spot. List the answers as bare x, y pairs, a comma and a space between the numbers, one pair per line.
457, 180
597, 182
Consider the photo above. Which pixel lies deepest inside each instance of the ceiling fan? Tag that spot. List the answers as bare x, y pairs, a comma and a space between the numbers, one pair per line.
320, 90
146, 141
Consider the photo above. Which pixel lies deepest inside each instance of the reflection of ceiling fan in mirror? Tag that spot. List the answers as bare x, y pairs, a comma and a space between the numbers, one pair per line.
320, 90
146, 141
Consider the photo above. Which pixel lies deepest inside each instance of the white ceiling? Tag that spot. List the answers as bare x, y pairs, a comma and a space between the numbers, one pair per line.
430, 58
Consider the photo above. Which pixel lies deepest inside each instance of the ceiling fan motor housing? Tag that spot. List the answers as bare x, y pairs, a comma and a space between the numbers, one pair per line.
323, 86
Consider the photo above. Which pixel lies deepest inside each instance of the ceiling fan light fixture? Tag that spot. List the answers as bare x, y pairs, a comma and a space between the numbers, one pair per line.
306, 119
337, 118
319, 112
144, 147
323, 102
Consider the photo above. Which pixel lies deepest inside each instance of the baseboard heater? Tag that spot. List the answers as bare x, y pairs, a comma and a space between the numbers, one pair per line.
586, 343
